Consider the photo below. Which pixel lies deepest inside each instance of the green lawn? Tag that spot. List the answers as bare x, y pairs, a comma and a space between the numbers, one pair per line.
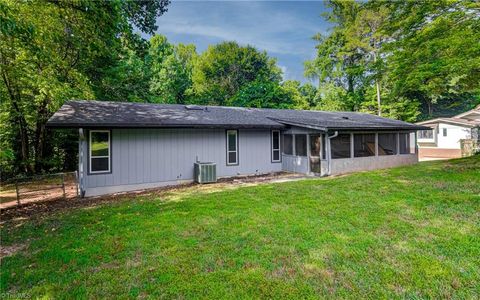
411, 232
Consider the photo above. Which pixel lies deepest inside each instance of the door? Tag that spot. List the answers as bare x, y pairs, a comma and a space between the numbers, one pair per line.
315, 150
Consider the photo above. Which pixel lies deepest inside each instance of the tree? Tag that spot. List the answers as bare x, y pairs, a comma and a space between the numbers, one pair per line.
420, 57
51, 51
127, 78
366, 35
262, 94
299, 100
224, 69
171, 68
339, 61
435, 53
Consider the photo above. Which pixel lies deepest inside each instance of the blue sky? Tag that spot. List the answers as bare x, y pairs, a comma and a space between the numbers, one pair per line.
282, 28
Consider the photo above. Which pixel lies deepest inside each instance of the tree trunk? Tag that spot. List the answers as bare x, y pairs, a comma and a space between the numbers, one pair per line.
377, 85
379, 101
40, 135
19, 119
430, 108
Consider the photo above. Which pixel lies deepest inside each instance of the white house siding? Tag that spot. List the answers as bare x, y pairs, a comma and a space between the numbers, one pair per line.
454, 135
146, 158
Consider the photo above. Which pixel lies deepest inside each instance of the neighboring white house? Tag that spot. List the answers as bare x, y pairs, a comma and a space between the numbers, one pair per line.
447, 135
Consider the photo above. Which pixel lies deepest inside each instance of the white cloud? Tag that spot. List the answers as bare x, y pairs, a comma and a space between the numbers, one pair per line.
284, 70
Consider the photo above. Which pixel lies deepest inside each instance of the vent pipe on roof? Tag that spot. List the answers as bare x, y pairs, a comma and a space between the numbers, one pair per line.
195, 107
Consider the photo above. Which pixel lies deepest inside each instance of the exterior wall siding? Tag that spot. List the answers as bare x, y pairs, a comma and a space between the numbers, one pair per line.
147, 158
347, 165
451, 141
454, 135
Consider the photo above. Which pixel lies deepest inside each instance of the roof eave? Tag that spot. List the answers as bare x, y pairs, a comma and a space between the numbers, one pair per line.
140, 125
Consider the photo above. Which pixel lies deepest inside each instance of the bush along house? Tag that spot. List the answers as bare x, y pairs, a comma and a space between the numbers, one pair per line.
133, 146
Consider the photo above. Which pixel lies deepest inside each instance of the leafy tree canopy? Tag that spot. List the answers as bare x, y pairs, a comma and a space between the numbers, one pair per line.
417, 59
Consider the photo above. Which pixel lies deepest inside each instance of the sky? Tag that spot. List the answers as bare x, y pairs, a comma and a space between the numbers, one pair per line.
282, 28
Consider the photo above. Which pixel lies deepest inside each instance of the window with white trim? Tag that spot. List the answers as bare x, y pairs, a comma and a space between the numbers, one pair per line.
276, 146
99, 146
425, 134
232, 147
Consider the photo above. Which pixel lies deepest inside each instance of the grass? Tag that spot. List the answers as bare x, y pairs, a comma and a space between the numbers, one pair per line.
410, 232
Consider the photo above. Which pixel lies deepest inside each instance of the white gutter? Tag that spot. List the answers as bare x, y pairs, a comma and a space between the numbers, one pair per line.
329, 152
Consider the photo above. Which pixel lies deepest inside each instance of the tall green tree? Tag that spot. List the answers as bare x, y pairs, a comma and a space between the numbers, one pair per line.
365, 35
435, 52
223, 69
418, 57
339, 62
127, 76
171, 70
51, 51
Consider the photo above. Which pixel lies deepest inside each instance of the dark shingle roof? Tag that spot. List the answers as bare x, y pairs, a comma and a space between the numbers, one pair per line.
90, 114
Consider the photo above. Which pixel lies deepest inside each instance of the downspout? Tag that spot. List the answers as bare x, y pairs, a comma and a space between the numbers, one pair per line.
329, 152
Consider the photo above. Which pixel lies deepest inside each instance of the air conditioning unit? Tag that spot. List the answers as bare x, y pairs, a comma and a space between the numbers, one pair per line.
205, 172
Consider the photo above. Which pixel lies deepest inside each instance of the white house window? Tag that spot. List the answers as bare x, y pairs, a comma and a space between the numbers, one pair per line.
425, 134
444, 131
99, 145
275, 146
232, 147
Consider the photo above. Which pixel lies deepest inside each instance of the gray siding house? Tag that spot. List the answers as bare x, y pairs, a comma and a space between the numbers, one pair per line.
133, 146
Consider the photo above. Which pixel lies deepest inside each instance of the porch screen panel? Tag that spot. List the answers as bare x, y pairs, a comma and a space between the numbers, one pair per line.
363, 144
340, 146
288, 144
387, 143
404, 139
301, 145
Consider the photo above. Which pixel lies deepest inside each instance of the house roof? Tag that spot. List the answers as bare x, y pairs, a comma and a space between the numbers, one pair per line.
469, 119
454, 121
473, 115
97, 114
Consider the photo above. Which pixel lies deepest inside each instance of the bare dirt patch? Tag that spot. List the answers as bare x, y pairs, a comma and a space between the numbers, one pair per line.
38, 189
10, 250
